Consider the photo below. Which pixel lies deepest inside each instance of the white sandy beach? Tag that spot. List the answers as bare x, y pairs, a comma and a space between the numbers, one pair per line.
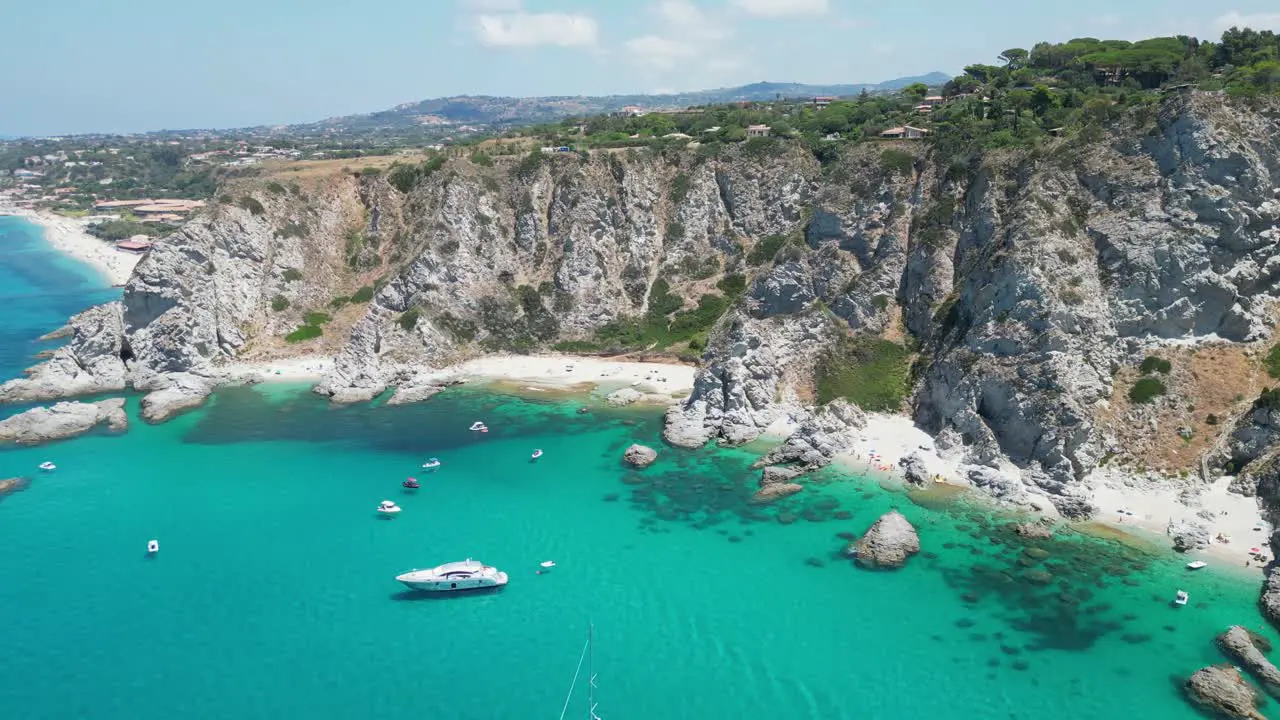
68, 236
540, 371
567, 370
1148, 510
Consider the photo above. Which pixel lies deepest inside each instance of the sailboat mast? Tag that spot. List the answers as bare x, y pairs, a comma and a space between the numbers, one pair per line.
591, 671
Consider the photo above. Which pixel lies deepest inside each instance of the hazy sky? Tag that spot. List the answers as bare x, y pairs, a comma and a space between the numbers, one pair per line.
132, 65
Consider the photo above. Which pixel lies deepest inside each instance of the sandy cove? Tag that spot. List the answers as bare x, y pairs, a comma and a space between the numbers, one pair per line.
68, 236
538, 371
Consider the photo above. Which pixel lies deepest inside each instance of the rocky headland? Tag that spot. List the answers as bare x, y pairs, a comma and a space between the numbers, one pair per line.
63, 420
1100, 302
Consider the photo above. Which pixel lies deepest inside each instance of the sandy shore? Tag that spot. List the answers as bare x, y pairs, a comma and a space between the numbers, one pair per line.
558, 371
298, 369
1148, 511
68, 236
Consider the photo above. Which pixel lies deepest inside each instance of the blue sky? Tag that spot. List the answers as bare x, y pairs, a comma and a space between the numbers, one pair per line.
133, 65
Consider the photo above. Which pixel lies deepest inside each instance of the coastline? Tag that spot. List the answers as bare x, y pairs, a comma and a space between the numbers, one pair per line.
68, 236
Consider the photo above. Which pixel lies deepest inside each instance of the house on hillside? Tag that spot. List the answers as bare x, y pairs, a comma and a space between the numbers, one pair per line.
754, 131
822, 101
906, 132
934, 100
923, 109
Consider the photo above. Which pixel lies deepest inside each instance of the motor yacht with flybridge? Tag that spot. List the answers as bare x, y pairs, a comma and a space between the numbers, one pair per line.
454, 577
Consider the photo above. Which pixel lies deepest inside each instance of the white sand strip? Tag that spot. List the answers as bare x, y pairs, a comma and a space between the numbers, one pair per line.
68, 236
569, 370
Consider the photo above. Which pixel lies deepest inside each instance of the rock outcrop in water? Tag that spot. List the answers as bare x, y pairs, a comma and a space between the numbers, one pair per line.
640, 456
63, 420
888, 543
1016, 283
1223, 691
12, 485
1241, 645
1188, 535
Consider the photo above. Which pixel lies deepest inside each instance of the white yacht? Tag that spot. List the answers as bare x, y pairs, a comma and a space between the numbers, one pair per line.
454, 577
153, 546
388, 508
48, 466
1182, 598
478, 426
1196, 565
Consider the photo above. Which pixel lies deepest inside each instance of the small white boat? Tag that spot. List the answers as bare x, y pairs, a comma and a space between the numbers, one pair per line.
1182, 598
388, 508
536, 454
431, 463
478, 426
454, 577
1196, 565
153, 546
548, 563
48, 466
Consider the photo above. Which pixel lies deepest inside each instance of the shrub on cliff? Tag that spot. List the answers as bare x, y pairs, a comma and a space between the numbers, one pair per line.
1146, 390
868, 371
306, 332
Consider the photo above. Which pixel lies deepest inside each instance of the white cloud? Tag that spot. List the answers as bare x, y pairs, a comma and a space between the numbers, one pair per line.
688, 41
782, 8
521, 29
1256, 21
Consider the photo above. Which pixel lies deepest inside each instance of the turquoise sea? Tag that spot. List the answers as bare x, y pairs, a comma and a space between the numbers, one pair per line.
273, 595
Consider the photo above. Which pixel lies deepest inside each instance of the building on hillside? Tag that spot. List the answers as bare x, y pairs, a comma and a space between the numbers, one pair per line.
923, 109
754, 131
135, 244
906, 132
822, 101
934, 100
629, 111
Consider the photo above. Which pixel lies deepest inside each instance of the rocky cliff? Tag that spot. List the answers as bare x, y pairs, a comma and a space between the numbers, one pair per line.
1005, 298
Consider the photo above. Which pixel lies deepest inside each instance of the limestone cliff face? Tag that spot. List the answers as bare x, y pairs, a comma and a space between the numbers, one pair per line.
1021, 281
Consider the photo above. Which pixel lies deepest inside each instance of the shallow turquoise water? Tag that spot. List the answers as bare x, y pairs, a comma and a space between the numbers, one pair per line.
274, 594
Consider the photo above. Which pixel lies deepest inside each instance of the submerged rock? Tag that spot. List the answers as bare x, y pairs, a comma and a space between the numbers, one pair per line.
63, 420
12, 485
1221, 689
888, 543
777, 475
1240, 644
640, 456
777, 491
623, 397
1188, 535
1040, 529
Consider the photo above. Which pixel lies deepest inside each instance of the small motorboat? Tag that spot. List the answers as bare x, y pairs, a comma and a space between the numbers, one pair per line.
548, 564
477, 426
536, 454
431, 463
411, 483
1182, 598
153, 547
1196, 565
388, 508
48, 466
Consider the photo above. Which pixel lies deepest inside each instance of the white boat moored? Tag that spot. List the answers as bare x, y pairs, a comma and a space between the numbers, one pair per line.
454, 577
48, 466
431, 463
388, 508
536, 454
477, 426
1182, 598
153, 546
1196, 565
548, 563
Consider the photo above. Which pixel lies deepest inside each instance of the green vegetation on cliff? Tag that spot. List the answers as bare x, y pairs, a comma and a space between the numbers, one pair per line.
868, 371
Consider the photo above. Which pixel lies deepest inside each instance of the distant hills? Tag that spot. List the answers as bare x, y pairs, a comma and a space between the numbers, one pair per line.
489, 110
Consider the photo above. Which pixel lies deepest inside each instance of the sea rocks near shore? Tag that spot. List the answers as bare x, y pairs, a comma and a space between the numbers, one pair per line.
888, 543
172, 393
778, 475
829, 431
915, 471
12, 485
1039, 530
640, 456
1242, 645
88, 363
1269, 600
774, 492
1222, 690
63, 420
1188, 535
